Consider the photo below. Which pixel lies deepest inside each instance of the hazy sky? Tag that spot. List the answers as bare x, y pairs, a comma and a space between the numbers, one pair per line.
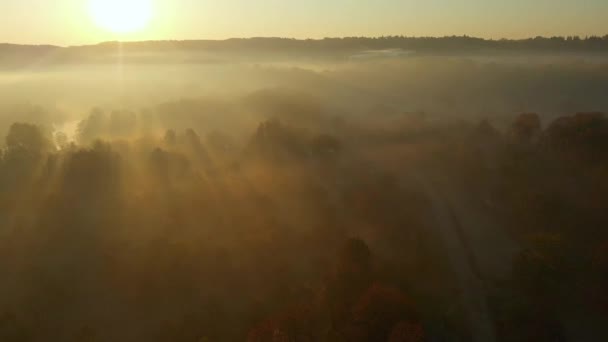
66, 22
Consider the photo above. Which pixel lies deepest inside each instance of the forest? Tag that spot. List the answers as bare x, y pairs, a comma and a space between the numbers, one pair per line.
428, 198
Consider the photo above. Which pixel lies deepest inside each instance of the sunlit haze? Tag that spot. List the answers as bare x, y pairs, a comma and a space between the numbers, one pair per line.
310, 170
66, 22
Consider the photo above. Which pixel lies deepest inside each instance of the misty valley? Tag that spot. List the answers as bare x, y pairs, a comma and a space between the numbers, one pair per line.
282, 190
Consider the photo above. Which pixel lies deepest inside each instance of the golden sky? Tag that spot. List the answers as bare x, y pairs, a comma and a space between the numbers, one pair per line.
70, 22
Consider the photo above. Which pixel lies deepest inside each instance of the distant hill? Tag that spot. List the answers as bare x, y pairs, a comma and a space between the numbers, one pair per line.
13, 55
436, 44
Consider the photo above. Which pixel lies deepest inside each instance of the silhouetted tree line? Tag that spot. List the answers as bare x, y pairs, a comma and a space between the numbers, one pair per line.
428, 44
14, 55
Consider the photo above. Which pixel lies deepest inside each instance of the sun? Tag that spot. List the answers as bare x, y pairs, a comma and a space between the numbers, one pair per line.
121, 16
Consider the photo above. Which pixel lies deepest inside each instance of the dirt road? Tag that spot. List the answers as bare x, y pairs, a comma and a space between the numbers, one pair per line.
478, 249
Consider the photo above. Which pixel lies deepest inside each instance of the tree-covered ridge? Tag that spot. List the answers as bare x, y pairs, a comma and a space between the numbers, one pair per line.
448, 44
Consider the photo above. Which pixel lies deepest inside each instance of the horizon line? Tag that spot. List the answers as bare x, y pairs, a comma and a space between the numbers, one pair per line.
605, 36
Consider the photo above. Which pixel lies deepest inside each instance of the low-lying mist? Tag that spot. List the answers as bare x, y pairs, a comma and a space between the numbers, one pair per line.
458, 87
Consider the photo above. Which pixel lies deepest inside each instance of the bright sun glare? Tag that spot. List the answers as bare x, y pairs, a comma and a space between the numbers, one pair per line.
121, 16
